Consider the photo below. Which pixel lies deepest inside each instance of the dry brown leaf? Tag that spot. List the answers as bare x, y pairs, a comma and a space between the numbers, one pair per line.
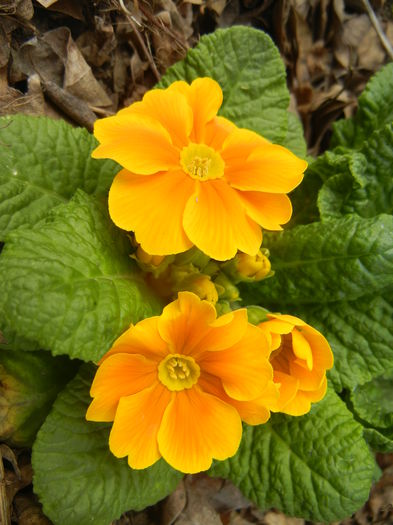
46, 3
371, 54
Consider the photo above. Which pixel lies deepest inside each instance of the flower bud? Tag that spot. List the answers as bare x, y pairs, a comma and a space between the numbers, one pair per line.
256, 267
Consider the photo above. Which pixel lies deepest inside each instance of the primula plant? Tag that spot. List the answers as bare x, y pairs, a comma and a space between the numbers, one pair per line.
187, 312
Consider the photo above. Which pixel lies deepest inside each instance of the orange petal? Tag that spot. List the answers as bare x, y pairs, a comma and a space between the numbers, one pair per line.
308, 379
301, 348
170, 108
239, 145
196, 428
137, 421
215, 221
257, 411
224, 332
322, 353
276, 326
269, 210
185, 321
287, 319
205, 98
243, 369
288, 388
142, 338
216, 131
138, 142
118, 376
153, 208
299, 405
269, 168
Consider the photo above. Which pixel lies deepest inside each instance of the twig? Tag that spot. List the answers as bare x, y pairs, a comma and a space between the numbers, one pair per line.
377, 26
131, 19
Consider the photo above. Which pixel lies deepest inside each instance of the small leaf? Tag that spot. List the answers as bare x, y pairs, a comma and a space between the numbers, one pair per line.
77, 479
374, 112
69, 283
317, 466
248, 67
29, 384
42, 163
340, 259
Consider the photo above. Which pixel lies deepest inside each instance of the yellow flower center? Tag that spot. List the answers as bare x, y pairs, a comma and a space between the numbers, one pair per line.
201, 162
178, 372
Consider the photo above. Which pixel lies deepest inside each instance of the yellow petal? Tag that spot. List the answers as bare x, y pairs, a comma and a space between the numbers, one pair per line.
196, 428
257, 411
276, 326
184, 322
153, 208
322, 353
118, 376
138, 142
134, 432
216, 131
309, 380
170, 108
269, 210
301, 348
204, 95
244, 368
288, 388
142, 338
269, 168
224, 332
215, 221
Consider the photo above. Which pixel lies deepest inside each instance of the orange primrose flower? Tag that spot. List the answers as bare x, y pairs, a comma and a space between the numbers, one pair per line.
300, 357
178, 385
192, 177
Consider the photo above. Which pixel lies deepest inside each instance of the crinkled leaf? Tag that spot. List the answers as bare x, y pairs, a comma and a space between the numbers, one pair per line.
294, 139
251, 73
359, 182
379, 441
317, 466
69, 284
340, 259
77, 479
42, 163
374, 112
29, 384
360, 333
373, 401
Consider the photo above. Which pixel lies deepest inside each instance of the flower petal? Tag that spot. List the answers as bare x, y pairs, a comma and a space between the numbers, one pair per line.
196, 428
224, 332
216, 131
138, 142
170, 108
118, 376
205, 98
153, 208
215, 221
137, 421
269, 168
322, 353
288, 388
269, 210
244, 368
301, 348
185, 321
142, 338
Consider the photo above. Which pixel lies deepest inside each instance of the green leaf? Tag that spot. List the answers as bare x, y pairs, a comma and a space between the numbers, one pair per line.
340, 259
42, 163
360, 182
317, 466
373, 402
248, 67
77, 479
69, 284
29, 384
379, 441
294, 139
360, 333
374, 112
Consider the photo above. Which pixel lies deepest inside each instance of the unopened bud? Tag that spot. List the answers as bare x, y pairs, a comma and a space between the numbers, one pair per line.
256, 267
146, 258
202, 286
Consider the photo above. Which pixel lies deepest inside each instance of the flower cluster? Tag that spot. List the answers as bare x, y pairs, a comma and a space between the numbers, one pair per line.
179, 385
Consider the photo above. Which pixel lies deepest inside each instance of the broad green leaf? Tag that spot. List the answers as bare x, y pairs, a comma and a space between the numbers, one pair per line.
294, 139
29, 384
379, 441
251, 73
77, 479
42, 163
373, 401
336, 260
69, 284
317, 466
360, 182
360, 333
374, 112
